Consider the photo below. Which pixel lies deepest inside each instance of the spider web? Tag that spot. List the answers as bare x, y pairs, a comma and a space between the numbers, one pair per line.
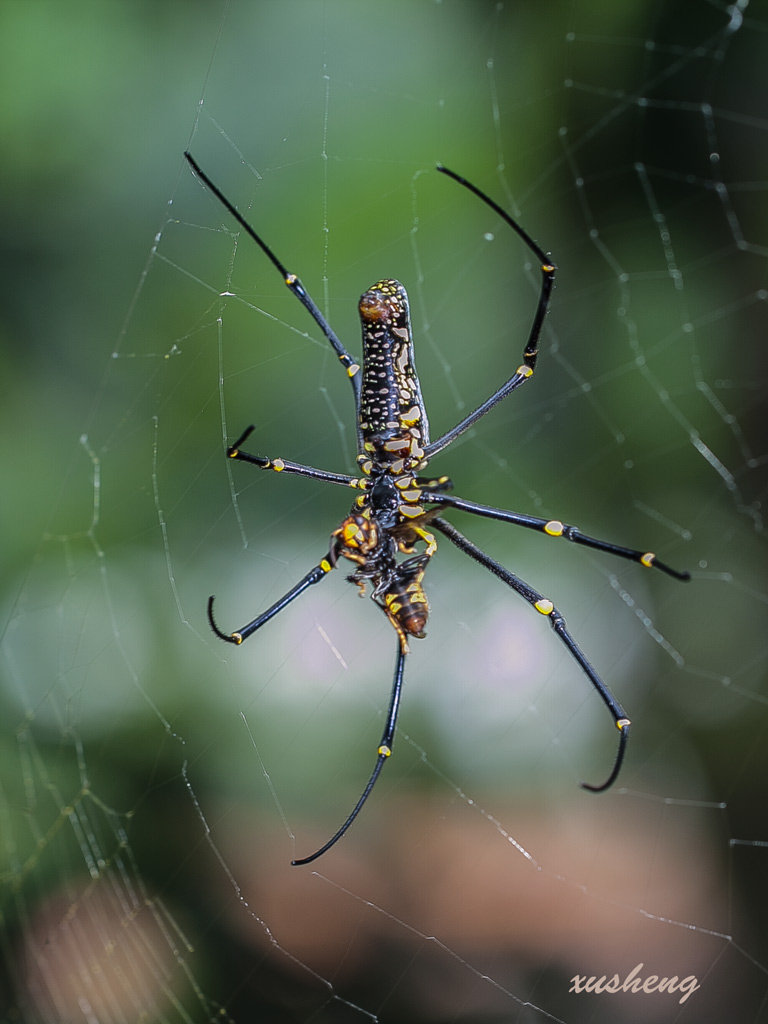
155, 782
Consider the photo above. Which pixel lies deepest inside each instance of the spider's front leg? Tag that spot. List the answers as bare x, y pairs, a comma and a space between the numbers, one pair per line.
383, 752
545, 607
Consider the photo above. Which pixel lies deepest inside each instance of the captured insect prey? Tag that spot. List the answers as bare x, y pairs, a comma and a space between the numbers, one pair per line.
389, 535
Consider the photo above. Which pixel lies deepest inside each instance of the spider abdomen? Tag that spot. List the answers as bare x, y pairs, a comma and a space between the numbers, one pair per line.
393, 420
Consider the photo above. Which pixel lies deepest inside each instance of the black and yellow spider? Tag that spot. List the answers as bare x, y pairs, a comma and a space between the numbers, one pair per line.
397, 507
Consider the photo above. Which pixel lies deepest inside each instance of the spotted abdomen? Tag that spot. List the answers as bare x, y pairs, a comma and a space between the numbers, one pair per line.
393, 421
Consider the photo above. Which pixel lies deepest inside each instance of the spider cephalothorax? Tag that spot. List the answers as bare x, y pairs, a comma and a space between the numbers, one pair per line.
397, 508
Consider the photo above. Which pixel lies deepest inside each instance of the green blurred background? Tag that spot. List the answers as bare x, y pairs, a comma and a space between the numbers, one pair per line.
154, 786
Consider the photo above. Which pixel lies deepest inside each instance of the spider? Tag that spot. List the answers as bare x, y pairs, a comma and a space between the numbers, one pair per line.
397, 507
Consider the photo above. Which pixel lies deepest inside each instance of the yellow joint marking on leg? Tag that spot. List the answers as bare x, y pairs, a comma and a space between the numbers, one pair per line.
237, 638
352, 369
544, 605
622, 723
384, 751
429, 540
290, 279
233, 454
548, 268
325, 565
525, 371
647, 559
554, 528
277, 464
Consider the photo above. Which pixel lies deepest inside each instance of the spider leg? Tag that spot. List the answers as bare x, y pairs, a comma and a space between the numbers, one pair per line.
384, 751
284, 466
293, 283
319, 572
554, 528
545, 607
525, 371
